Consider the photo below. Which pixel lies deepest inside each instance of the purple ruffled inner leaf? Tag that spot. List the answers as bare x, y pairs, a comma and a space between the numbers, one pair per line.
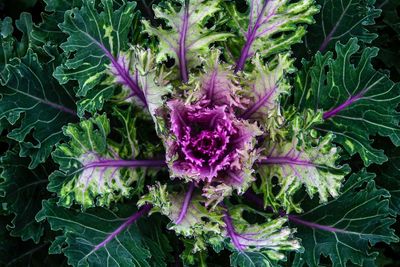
207, 140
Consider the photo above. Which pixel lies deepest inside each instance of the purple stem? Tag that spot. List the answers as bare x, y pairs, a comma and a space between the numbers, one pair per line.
285, 160
297, 220
253, 109
211, 89
126, 163
249, 195
249, 40
328, 38
294, 218
348, 102
182, 44
231, 230
186, 203
333, 31
124, 74
142, 211
56, 106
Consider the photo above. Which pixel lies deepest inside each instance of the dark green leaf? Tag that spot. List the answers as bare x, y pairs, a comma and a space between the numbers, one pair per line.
251, 259
10, 47
47, 30
339, 20
16, 253
95, 38
21, 194
35, 104
389, 178
83, 231
359, 102
344, 228
388, 40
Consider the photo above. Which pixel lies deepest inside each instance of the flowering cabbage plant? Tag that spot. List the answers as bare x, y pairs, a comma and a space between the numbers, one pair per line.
194, 128
208, 144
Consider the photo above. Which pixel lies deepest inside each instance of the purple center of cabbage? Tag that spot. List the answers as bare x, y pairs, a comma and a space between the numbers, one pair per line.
207, 140
206, 146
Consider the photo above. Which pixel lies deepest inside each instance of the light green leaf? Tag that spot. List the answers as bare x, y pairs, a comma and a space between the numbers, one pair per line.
269, 236
305, 160
267, 85
151, 80
199, 222
188, 38
270, 27
91, 172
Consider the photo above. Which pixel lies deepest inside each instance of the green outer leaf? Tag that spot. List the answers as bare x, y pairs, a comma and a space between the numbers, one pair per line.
371, 96
47, 30
88, 30
389, 36
82, 231
6, 53
250, 259
10, 47
388, 177
155, 240
40, 106
339, 20
390, 14
21, 192
16, 253
359, 217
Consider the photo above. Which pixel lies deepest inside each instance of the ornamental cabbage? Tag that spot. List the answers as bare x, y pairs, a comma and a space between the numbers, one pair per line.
167, 132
